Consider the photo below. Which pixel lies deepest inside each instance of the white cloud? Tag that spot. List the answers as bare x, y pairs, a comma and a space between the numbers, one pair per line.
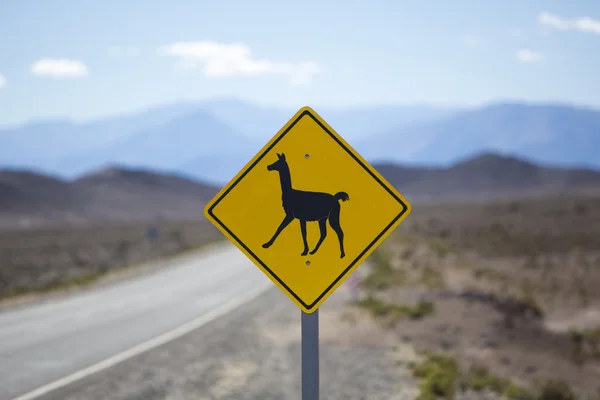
529, 56
2, 81
59, 68
472, 41
582, 24
220, 60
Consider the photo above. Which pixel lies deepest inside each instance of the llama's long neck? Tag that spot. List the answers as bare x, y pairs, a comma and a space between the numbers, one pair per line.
286, 180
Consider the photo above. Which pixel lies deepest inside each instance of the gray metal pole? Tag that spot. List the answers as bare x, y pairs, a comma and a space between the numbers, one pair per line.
310, 356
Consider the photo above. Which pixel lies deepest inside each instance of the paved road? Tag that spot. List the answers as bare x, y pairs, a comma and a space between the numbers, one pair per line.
45, 342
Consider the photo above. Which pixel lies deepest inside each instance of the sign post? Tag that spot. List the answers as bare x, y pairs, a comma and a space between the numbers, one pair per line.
307, 180
310, 355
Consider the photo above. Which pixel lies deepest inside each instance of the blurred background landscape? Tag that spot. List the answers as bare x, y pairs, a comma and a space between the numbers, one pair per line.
112, 144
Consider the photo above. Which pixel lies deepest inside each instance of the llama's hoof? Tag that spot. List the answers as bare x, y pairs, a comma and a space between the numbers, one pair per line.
312, 252
304, 253
266, 245
342, 255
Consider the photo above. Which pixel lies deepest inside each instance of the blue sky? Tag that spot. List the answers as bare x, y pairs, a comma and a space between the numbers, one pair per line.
81, 59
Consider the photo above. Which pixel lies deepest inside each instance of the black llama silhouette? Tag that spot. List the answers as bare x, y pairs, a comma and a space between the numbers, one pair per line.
307, 206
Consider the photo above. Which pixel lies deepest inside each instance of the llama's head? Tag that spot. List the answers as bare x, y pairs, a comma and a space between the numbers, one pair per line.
279, 164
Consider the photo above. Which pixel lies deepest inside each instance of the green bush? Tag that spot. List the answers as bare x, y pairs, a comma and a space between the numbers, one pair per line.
439, 373
555, 389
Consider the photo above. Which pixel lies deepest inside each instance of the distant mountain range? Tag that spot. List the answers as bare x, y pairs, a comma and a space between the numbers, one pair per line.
549, 134
211, 140
120, 193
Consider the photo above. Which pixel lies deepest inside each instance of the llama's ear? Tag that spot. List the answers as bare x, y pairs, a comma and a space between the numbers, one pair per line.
279, 156
283, 156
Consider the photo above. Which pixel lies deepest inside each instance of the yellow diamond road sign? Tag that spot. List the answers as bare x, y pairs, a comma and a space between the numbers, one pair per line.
307, 209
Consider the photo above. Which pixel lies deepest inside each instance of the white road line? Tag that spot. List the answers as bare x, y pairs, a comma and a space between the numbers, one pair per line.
148, 345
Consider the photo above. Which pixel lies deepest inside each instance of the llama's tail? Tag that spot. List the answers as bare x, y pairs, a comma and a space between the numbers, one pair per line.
343, 196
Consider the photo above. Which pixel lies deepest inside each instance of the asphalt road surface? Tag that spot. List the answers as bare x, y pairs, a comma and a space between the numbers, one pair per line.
46, 342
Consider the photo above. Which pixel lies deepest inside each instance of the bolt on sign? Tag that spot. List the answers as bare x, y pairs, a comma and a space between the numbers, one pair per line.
307, 209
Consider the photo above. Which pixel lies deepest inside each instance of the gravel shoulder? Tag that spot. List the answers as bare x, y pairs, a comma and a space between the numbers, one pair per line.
254, 353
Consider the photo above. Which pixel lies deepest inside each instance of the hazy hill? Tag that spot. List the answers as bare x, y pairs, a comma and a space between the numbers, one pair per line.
118, 193
144, 182
113, 193
25, 191
486, 174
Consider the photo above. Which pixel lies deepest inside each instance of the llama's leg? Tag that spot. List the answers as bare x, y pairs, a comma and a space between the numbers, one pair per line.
334, 221
286, 221
323, 229
303, 230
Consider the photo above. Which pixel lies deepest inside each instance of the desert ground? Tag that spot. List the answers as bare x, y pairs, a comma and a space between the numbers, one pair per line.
501, 296
37, 262
465, 300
